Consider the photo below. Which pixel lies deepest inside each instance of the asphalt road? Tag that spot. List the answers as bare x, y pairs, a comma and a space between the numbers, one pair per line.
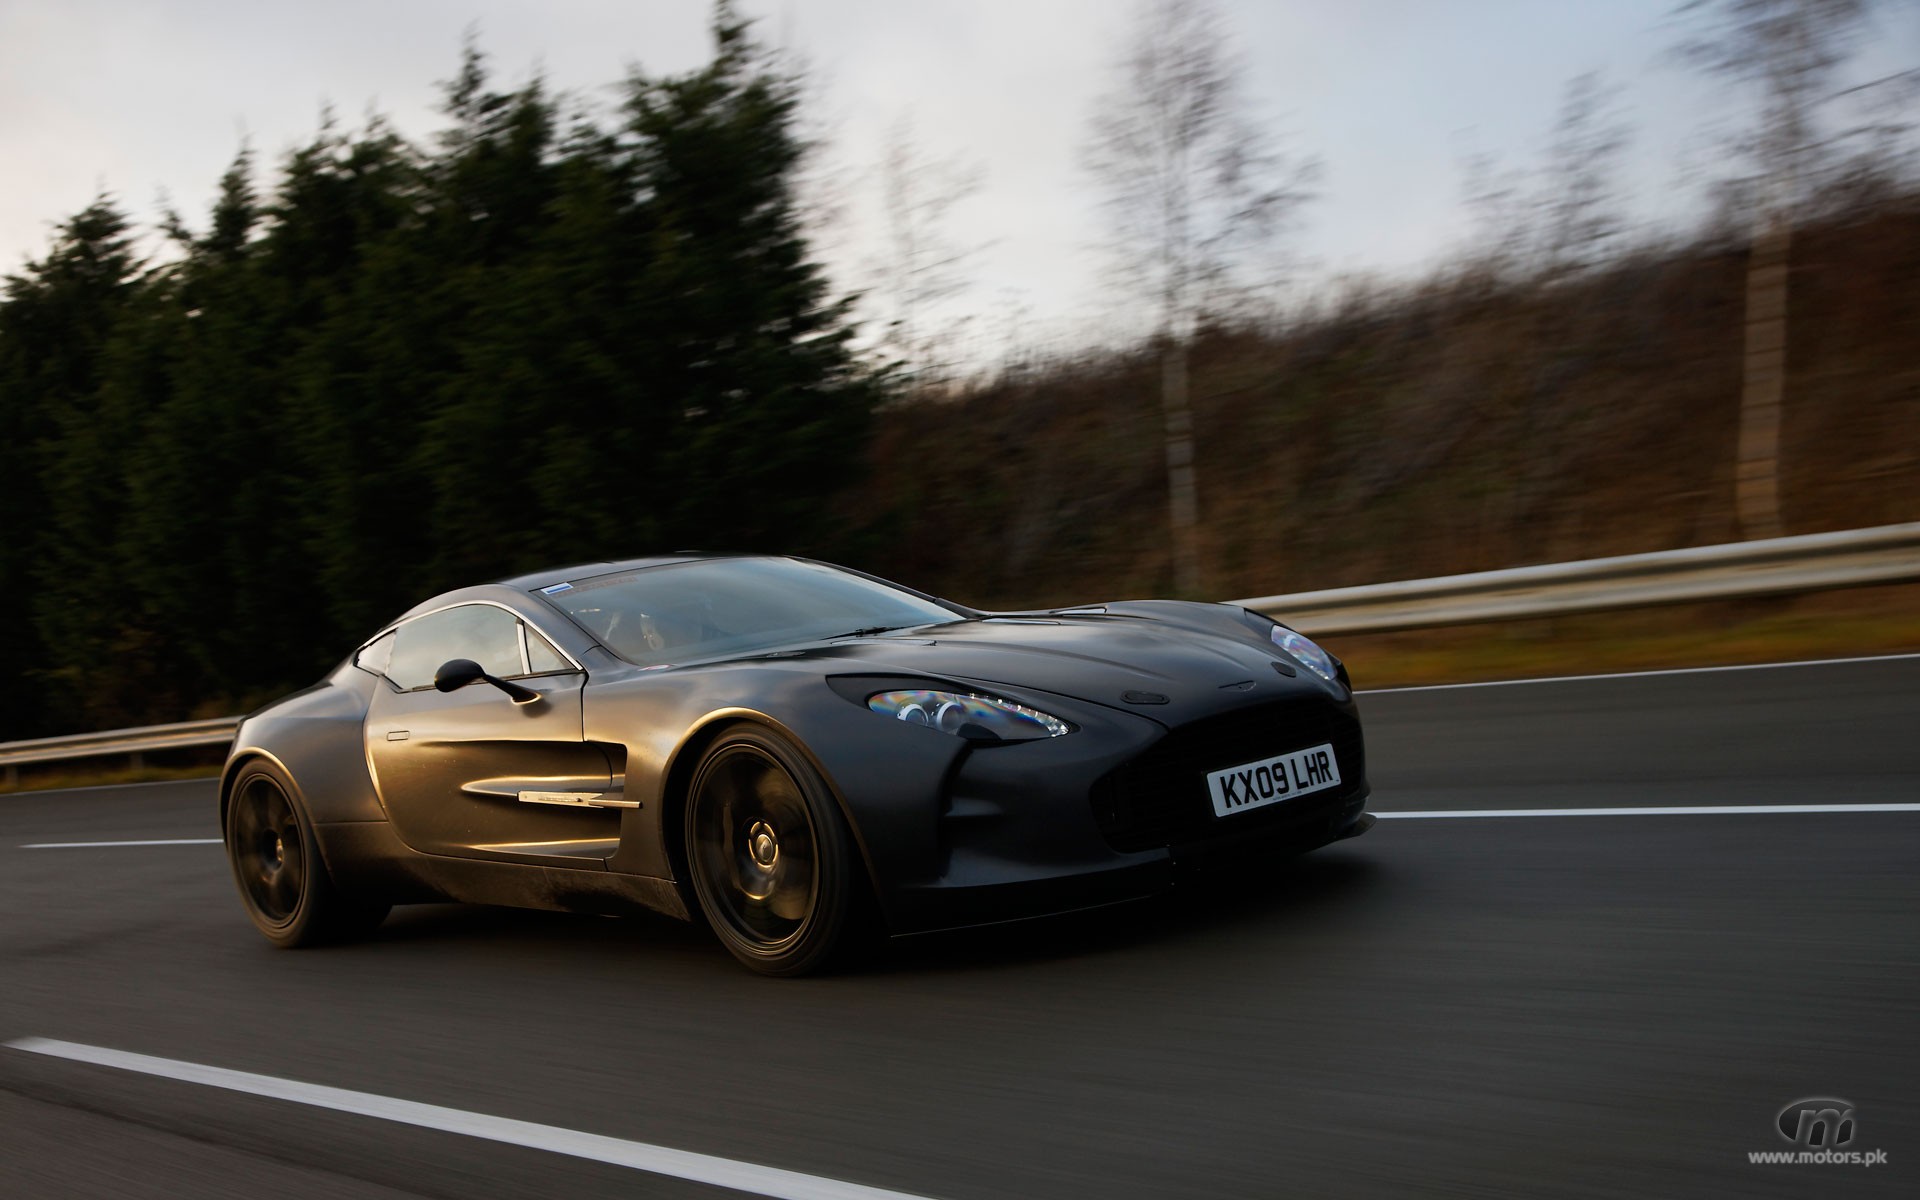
1496, 1006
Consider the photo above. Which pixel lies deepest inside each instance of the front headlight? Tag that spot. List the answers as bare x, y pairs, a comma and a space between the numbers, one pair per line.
969, 715
1311, 656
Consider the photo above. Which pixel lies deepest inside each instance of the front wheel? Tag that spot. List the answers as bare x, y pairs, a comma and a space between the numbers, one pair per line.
283, 880
772, 864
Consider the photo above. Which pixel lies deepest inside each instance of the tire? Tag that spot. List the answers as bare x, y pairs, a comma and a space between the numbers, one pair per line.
277, 865
770, 858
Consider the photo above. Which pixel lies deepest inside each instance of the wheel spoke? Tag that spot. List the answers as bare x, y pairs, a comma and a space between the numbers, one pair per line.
284, 891
293, 864
734, 791
776, 791
246, 818
788, 902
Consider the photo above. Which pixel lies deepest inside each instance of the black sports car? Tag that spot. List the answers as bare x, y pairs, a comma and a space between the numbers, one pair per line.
792, 750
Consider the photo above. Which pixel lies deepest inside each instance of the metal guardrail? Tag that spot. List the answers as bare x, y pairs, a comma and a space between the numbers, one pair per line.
115, 742
1772, 566
1811, 562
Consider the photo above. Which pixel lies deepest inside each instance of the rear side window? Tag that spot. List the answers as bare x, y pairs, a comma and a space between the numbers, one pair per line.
489, 636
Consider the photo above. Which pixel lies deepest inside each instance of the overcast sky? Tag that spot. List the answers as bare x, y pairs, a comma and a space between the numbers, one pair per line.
145, 99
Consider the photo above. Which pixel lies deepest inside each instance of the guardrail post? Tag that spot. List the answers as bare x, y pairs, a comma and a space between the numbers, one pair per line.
137, 760
13, 775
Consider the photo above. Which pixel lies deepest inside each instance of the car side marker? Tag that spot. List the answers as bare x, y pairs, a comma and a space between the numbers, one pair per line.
579, 799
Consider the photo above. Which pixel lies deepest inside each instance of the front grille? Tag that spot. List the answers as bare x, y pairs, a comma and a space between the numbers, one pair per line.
1160, 798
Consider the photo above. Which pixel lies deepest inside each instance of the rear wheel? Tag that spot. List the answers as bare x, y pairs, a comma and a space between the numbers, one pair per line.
771, 860
276, 862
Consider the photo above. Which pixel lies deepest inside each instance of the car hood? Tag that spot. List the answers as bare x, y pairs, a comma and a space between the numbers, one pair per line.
1169, 672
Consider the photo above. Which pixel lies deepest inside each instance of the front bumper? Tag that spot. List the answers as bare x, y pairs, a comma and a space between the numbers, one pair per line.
1082, 821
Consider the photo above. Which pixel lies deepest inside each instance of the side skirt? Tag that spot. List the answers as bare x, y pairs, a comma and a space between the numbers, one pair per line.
368, 858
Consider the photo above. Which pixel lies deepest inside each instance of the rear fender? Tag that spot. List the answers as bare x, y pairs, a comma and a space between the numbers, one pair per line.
318, 738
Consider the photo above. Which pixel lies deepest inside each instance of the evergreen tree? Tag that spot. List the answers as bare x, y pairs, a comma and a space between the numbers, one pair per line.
402, 369
341, 276
61, 442
764, 404
179, 544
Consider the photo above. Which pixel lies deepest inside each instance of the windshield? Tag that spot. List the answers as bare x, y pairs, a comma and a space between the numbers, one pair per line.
709, 608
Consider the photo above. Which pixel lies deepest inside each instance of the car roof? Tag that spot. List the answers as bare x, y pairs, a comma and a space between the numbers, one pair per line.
587, 570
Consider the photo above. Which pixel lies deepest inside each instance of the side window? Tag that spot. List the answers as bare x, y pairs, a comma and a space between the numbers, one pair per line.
376, 656
489, 636
541, 656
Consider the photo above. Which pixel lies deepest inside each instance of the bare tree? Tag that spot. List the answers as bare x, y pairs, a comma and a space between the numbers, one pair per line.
1191, 183
1495, 197
919, 263
1559, 218
1580, 205
1787, 53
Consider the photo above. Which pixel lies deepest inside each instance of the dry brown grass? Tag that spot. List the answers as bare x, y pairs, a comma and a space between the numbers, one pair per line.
1862, 621
55, 776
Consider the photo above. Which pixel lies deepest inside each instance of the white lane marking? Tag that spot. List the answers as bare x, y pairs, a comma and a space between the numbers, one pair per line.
1809, 662
150, 842
660, 1160
1694, 810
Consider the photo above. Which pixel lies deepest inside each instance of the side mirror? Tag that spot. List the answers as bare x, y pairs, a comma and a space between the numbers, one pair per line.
457, 673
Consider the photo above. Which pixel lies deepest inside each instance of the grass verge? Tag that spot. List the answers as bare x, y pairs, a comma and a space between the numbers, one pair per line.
1844, 624
54, 776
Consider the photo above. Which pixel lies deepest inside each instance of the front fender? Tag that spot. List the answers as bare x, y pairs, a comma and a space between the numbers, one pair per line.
889, 786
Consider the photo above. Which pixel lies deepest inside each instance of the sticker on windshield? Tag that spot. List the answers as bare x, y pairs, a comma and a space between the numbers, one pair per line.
558, 587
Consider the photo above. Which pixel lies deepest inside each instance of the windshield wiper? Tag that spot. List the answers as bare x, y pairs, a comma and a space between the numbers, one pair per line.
866, 631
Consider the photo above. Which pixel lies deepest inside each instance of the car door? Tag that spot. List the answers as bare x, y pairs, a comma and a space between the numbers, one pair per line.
473, 774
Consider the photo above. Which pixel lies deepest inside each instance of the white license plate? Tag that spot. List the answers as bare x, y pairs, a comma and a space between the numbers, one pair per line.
1272, 780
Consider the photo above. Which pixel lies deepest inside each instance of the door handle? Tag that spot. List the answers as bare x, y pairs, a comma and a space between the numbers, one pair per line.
397, 735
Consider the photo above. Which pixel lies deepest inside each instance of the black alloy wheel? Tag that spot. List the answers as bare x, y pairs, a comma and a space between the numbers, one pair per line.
772, 864
283, 880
